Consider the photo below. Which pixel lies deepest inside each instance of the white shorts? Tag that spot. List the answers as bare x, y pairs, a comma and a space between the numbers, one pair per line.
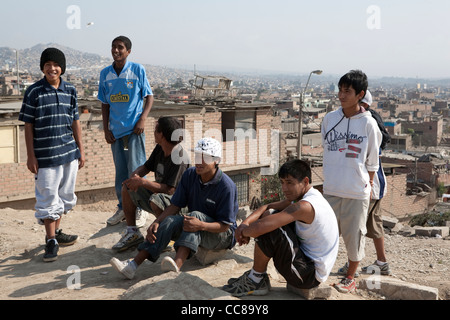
55, 191
351, 215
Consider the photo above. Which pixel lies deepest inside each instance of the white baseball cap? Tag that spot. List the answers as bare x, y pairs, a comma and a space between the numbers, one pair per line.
209, 146
367, 98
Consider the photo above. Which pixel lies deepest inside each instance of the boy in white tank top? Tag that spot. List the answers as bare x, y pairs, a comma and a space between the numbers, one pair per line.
299, 233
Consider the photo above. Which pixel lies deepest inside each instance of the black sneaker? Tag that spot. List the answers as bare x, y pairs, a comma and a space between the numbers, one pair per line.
64, 239
51, 251
244, 286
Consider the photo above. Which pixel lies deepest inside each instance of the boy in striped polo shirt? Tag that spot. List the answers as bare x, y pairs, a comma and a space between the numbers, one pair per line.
54, 147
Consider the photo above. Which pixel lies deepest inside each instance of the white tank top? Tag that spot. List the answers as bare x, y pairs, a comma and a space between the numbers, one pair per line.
320, 239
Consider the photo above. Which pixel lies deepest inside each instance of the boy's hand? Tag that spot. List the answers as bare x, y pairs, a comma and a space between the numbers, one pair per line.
192, 224
32, 165
238, 234
81, 161
109, 137
151, 232
133, 183
139, 127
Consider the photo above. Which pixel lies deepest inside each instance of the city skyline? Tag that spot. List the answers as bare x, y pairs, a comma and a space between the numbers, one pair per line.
382, 38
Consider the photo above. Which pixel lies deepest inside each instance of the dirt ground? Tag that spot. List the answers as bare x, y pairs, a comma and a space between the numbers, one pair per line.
24, 276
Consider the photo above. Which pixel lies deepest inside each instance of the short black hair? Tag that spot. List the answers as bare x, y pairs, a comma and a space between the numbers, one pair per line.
355, 79
167, 125
297, 169
125, 40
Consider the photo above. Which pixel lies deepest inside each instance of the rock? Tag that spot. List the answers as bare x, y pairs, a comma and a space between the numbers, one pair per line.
206, 257
395, 289
407, 231
174, 286
432, 231
389, 222
397, 228
323, 291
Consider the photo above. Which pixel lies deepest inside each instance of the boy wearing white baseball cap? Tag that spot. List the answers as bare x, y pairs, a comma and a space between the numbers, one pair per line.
211, 198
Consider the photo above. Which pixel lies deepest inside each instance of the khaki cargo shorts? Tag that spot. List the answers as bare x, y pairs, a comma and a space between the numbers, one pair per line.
351, 215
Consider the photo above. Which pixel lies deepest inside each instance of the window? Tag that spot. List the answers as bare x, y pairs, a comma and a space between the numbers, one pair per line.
245, 120
9, 144
241, 181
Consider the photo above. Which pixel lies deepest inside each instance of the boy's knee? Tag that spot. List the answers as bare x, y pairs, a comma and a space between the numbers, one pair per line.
196, 214
155, 209
268, 212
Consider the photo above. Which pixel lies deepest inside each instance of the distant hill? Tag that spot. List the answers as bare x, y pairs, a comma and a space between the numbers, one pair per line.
29, 59
89, 64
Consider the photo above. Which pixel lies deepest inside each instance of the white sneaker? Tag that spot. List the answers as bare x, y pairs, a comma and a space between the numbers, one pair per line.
168, 264
124, 267
118, 216
141, 217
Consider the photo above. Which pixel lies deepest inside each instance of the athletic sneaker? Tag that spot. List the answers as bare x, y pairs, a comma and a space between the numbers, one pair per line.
377, 269
117, 217
124, 267
51, 251
232, 280
346, 285
63, 239
245, 286
170, 246
141, 217
246, 273
168, 264
343, 271
129, 240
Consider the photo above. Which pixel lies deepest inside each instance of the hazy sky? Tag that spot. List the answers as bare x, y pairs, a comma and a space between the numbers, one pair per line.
383, 38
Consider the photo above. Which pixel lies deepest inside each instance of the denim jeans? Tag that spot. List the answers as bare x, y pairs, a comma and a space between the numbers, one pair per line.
128, 154
172, 229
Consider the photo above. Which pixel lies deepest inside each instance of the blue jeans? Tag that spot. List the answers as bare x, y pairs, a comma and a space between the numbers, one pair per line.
128, 155
171, 228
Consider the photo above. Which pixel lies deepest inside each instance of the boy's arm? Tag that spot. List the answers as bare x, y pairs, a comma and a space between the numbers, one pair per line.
136, 181
32, 163
277, 206
140, 125
171, 210
76, 127
371, 176
193, 224
105, 116
373, 151
255, 216
299, 211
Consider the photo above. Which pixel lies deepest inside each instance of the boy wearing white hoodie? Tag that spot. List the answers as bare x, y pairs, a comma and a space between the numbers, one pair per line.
351, 141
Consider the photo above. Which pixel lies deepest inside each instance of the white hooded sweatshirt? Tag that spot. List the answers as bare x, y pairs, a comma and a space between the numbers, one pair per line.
350, 151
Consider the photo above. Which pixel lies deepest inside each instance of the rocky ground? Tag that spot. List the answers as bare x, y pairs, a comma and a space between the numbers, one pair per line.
82, 271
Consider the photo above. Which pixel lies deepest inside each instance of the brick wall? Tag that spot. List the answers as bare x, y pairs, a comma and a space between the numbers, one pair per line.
17, 182
398, 204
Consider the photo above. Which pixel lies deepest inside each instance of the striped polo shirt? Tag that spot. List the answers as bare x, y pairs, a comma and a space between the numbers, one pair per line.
52, 112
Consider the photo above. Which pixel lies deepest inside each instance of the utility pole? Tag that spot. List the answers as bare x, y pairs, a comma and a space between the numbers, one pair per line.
300, 115
18, 75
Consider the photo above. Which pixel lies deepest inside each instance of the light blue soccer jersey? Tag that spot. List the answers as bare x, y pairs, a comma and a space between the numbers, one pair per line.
125, 95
